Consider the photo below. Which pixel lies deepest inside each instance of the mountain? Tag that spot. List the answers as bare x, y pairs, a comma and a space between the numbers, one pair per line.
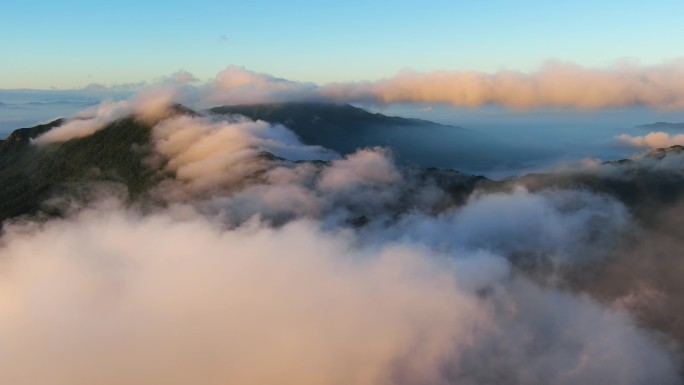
647, 185
662, 126
660, 153
607, 263
30, 175
344, 128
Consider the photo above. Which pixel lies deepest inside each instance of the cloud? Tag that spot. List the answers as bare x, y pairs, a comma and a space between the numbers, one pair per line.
363, 168
85, 123
237, 85
150, 104
555, 84
206, 155
112, 295
553, 225
184, 77
228, 307
644, 275
655, 139
248, 265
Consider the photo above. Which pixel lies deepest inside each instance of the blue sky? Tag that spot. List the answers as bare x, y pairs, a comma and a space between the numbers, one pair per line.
69, 44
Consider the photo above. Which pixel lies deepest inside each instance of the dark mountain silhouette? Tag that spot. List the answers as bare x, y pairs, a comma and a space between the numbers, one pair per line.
660, 153
662, 126
646, 184
651, 187
416, 142
29, 175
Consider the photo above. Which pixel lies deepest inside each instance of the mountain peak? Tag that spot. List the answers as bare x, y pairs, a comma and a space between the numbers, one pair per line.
660, 153
344, 128
662, 126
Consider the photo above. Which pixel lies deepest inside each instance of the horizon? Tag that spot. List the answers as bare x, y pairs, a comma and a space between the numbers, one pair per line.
75, 43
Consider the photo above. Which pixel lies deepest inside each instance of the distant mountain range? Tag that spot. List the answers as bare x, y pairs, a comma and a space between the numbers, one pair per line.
31, 175
416, 142
662, 126
54, 180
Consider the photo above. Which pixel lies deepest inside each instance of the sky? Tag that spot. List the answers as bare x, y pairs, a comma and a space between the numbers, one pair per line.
571, 76
70, 44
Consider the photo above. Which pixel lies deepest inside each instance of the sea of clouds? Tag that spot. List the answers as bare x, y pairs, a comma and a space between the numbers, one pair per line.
256, 264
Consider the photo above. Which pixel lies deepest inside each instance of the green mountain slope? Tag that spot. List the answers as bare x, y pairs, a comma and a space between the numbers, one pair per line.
30, 174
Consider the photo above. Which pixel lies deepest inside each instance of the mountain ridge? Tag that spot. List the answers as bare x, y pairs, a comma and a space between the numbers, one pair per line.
29, 175
662, 125
416, 142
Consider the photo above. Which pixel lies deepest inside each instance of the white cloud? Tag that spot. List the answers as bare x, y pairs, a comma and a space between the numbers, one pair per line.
655, 139
250, 271
113, 296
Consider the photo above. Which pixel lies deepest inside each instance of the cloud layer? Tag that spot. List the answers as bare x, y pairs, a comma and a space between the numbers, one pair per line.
252, 263
113, 297
201, 304
556, 84
653, 140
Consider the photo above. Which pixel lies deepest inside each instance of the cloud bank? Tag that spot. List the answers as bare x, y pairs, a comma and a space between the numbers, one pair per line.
653, 140
555, 84
201, 304
110, 296
207, 155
